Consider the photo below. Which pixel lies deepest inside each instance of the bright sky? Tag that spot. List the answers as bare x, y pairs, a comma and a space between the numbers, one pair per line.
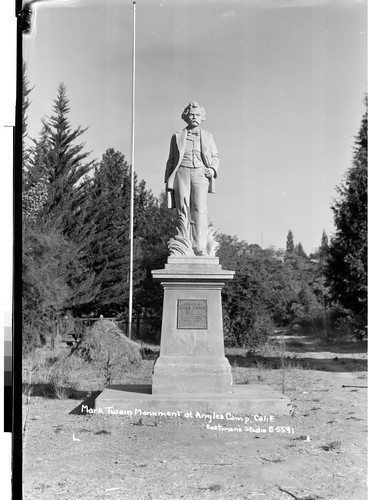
282, 83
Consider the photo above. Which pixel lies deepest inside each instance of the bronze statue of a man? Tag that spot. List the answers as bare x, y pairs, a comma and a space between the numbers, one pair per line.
190, 172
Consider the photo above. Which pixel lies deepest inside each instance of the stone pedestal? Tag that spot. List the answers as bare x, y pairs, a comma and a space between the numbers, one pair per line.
192, 359
192, 372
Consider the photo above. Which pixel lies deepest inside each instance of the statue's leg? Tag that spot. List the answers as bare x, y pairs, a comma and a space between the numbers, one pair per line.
182, 190
199, 209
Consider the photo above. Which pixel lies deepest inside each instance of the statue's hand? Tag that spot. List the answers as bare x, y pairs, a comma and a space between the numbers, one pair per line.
209, 173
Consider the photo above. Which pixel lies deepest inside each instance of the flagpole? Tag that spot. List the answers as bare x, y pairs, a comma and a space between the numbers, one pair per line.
132, 173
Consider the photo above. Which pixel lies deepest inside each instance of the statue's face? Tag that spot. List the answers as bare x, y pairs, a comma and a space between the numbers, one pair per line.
194, 118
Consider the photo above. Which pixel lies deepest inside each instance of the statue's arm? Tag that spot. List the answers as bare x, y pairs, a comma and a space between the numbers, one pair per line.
171, 160
215, 157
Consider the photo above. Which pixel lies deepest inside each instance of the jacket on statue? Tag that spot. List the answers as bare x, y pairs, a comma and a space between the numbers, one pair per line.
209, 155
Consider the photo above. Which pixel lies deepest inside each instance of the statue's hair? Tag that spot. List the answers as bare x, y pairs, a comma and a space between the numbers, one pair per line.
187, 110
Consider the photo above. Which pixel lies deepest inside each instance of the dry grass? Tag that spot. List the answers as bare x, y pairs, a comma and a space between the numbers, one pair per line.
53, 373
57, 373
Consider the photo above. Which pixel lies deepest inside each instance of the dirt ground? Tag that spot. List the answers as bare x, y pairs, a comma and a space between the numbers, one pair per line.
322, 453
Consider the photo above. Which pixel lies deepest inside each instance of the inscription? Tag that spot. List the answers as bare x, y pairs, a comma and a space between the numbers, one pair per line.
192, 314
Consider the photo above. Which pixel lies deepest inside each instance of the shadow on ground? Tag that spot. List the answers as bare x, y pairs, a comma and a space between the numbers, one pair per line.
311, 345
88, 400
49, 391
334, 364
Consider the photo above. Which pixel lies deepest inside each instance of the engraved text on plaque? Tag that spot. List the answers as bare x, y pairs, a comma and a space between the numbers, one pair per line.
192, 314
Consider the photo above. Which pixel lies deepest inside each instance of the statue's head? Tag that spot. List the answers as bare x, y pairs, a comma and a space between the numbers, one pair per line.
193, 114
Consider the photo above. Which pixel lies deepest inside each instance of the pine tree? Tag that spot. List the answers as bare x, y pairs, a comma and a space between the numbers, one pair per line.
347, 260
34, 186
324, 245
290, 246
26, 90
66, 165
35, 180
299, 250
102, 231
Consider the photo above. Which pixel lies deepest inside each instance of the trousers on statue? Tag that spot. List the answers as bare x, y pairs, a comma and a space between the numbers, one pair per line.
190, 190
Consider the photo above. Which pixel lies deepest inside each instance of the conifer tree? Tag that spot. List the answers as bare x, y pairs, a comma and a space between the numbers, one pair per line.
324, 245
102, 231
66, 165
290, 246
34, 186
35, 179
26, 90
347, 260
53, 190
299, 250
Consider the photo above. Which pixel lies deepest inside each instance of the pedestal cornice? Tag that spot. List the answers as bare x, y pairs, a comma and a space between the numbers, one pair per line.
192, 269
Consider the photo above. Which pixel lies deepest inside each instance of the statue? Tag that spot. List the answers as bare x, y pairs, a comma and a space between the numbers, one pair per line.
190, 174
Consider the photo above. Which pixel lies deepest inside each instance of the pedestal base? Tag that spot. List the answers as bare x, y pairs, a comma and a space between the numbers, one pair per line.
244, 400
192, 375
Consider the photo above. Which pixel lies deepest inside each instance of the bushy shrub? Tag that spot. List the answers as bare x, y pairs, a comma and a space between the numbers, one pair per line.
348, 326
249, 331
251, 300
109, 350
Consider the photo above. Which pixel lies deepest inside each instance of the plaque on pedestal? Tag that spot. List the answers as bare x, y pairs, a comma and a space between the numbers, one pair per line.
192, 314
